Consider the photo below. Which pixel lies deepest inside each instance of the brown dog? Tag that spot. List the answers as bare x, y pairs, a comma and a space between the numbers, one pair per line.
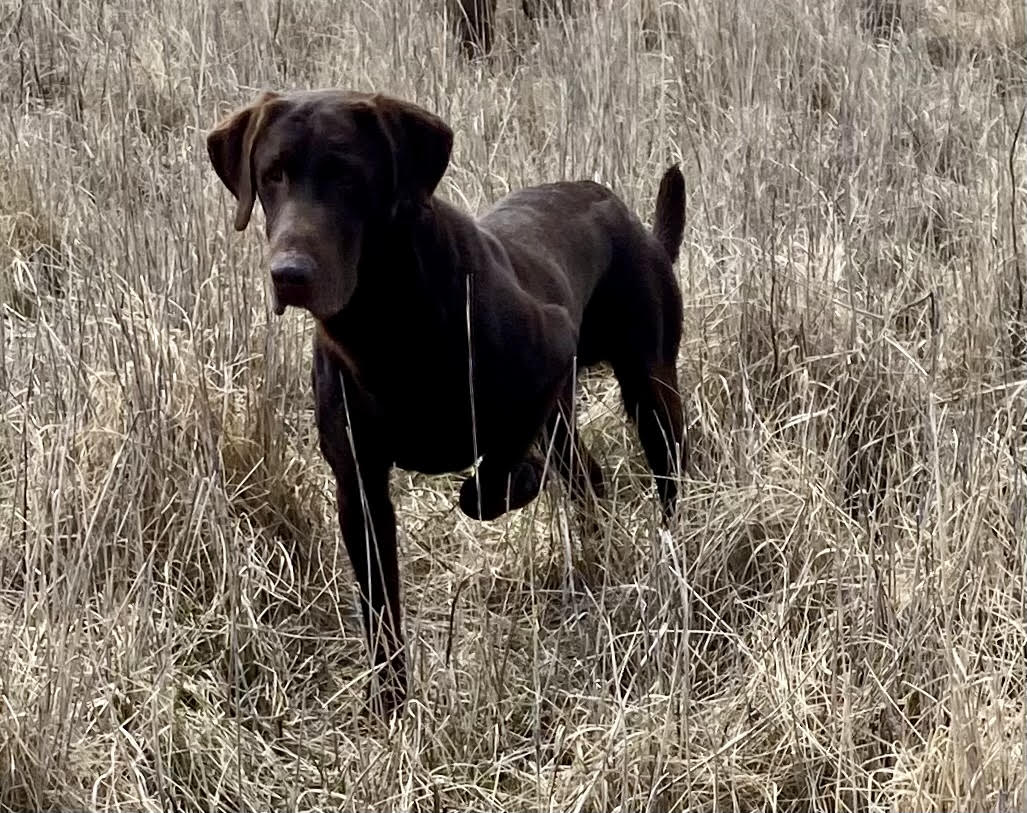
444, 340
472, 22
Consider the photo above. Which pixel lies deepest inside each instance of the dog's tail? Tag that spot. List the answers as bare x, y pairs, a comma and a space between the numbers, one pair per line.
669, 223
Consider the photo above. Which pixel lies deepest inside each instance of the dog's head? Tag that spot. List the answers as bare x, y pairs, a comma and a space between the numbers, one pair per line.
327, 166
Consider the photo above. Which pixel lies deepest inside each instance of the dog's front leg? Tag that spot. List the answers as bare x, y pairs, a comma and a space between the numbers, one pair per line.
510, 473
351, 442
500, 485
368, 525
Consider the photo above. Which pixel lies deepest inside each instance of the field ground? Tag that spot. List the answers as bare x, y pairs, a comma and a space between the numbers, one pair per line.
836, 621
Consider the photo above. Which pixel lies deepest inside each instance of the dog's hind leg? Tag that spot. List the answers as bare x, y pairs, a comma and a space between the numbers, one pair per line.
653, 402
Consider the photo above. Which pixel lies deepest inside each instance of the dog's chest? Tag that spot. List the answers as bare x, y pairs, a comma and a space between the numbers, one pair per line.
420, 384
431, 432
426, 406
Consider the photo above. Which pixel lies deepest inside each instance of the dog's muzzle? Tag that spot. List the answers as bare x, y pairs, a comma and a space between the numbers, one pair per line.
292, 276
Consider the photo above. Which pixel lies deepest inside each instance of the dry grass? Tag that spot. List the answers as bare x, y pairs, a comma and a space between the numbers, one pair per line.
836, 622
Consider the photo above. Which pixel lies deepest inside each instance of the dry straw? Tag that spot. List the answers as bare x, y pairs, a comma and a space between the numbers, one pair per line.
836, 621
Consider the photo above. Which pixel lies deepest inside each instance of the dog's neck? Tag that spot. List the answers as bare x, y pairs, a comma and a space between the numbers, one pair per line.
412, 278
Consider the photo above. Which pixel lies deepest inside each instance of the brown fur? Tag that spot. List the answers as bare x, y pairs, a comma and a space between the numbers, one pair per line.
443, 339
473, 22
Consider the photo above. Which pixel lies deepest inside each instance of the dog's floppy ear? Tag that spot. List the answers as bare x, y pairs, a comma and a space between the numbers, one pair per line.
230, 147
420, 142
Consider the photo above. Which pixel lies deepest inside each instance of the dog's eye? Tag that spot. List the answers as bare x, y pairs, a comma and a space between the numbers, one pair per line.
273, 175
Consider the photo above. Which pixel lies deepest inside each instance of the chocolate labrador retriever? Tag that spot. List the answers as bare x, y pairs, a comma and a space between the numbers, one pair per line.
443, 341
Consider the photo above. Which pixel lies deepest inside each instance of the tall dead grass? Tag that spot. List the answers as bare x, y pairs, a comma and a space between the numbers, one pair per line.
835, 623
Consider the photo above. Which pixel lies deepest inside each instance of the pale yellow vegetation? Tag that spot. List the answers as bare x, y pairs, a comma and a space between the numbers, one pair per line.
835, 622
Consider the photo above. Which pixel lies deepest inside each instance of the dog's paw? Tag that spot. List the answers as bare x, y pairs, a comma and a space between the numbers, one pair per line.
525, 483
480, 505
501, 494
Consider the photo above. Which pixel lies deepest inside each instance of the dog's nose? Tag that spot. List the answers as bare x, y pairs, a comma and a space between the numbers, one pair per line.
292, 271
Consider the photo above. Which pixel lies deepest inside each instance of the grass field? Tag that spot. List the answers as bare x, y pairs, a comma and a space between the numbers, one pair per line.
836, 621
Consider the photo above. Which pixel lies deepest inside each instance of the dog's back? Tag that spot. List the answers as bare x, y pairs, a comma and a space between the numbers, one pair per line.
581, 231
579, 238
554, 213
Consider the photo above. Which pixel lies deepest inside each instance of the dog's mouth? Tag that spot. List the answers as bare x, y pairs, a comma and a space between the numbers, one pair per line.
284, 295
